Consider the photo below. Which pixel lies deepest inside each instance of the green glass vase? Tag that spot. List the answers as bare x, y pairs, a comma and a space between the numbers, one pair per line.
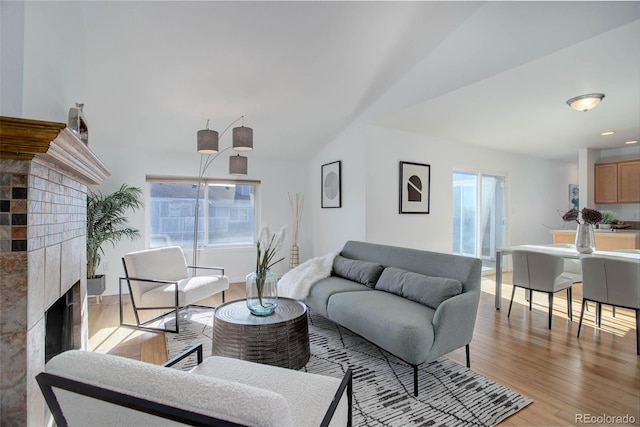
262, 292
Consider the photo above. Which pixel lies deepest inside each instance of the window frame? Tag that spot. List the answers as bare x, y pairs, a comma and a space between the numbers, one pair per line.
204, 218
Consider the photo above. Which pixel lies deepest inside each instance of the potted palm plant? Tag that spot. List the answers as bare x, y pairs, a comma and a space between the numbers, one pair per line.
106, 222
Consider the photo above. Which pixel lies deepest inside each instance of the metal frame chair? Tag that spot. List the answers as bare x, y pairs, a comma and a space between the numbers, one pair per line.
48, 382
176, 292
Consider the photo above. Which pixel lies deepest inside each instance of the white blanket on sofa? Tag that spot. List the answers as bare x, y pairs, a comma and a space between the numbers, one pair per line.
296, 283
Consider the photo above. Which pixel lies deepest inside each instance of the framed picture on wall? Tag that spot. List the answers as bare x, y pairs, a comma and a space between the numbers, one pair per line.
415, 180
574, 196
331, 174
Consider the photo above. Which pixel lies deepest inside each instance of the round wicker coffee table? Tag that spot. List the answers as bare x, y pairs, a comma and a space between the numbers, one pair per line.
280, 339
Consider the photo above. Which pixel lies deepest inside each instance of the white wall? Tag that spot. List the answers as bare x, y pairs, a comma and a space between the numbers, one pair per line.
536, 190
54, 60
12, 63
333, 226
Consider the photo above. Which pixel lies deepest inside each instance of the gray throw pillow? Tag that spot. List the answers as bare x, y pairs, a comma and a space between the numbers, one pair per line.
364, 272
391, 280
426, 290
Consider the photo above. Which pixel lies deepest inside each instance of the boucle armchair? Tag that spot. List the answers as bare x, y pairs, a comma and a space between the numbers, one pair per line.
159, 279
84, 388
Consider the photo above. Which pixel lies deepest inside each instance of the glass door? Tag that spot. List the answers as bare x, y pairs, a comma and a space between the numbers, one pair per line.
479, 215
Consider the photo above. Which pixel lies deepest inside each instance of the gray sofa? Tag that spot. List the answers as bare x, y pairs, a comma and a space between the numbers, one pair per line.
417, 305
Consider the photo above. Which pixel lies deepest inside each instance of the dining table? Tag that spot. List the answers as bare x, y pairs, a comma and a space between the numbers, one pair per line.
552, 250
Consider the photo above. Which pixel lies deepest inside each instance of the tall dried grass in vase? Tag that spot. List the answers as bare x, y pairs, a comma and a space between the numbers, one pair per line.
296, 202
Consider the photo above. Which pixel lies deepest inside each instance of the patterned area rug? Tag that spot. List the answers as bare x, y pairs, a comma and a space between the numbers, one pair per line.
450, 394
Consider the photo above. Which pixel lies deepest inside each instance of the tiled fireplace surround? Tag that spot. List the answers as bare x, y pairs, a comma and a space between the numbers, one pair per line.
42, 253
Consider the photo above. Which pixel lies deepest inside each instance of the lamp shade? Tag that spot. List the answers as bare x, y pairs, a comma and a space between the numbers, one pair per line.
585, 102
242, 138
207, 141
238, 165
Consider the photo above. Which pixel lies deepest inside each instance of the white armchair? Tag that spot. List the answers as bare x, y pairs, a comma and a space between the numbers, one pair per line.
160, 279
83, 388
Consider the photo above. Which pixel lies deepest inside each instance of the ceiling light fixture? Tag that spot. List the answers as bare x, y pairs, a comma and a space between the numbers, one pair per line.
607, 133
585, 102
631, 142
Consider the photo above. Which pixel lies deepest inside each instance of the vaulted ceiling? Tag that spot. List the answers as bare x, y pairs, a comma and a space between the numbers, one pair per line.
494, 74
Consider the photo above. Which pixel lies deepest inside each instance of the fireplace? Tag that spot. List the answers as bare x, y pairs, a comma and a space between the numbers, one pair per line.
44, 173
61, 323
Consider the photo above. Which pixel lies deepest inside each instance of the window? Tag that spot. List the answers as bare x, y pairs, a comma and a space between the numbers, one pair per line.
226, 212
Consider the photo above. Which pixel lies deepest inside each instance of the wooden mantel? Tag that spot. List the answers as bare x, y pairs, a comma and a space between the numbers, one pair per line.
21, 139
53, 144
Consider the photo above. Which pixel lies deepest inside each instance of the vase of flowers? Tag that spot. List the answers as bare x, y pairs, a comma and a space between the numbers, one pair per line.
262, 284
585, 239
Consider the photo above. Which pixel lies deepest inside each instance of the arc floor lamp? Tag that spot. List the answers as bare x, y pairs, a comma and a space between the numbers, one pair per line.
208, 142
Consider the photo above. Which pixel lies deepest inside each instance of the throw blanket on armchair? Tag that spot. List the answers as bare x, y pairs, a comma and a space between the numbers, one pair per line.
296, 283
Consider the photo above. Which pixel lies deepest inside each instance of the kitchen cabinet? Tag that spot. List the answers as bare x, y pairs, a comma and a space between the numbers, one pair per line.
606, 183
629, 181
617, 182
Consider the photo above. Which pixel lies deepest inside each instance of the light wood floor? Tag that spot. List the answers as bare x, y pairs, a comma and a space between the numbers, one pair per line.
597, 374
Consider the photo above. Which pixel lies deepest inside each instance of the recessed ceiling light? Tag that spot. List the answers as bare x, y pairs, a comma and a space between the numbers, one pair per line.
607, 133
631, 142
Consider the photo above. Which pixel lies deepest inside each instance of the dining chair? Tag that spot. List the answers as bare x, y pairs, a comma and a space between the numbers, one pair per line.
535, 271
572, 267
629, 251
611, 281
159, 279
613, 308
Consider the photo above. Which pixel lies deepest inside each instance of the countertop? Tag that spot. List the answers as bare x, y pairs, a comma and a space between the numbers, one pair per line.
610, 231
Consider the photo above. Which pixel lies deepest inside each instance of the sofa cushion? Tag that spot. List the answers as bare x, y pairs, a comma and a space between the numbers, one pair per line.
190, 291
400, 326
364, 272
321, 291
426, 290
